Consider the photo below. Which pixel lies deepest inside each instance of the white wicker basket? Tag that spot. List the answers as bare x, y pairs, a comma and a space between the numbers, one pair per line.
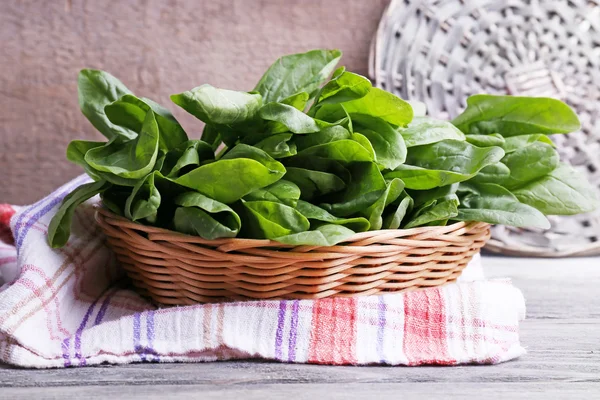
441, 52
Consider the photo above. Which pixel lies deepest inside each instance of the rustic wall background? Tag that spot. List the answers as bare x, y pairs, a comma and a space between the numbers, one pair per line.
156, 47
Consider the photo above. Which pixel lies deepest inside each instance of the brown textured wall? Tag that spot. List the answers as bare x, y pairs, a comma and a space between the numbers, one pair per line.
156, 48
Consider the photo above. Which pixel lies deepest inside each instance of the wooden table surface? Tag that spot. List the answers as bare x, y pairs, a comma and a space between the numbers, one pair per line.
561, 333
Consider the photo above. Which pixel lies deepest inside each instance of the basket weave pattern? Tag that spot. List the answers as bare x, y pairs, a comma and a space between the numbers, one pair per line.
176, 269
441, 52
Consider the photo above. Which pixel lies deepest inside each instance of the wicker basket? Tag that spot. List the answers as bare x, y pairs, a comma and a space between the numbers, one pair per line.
176, 269
441, 52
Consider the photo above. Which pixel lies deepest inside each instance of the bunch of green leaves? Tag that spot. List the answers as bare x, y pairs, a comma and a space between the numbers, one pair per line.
315, 154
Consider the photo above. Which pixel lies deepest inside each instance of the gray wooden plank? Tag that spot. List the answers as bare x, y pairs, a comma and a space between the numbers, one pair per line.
501, 390
553, 288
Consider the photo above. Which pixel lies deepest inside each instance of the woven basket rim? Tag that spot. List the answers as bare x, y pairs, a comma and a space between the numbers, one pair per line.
173, 268
392, 233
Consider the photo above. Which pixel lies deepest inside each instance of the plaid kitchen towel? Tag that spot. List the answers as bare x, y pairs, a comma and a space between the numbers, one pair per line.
71, 307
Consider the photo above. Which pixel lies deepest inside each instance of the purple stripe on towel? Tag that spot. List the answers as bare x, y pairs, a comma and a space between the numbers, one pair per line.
86, 317
279, 333
137, 336
65, 349
144, 351
67, 341
293, 330
381, 328
21, 228
104, 307
150, 334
